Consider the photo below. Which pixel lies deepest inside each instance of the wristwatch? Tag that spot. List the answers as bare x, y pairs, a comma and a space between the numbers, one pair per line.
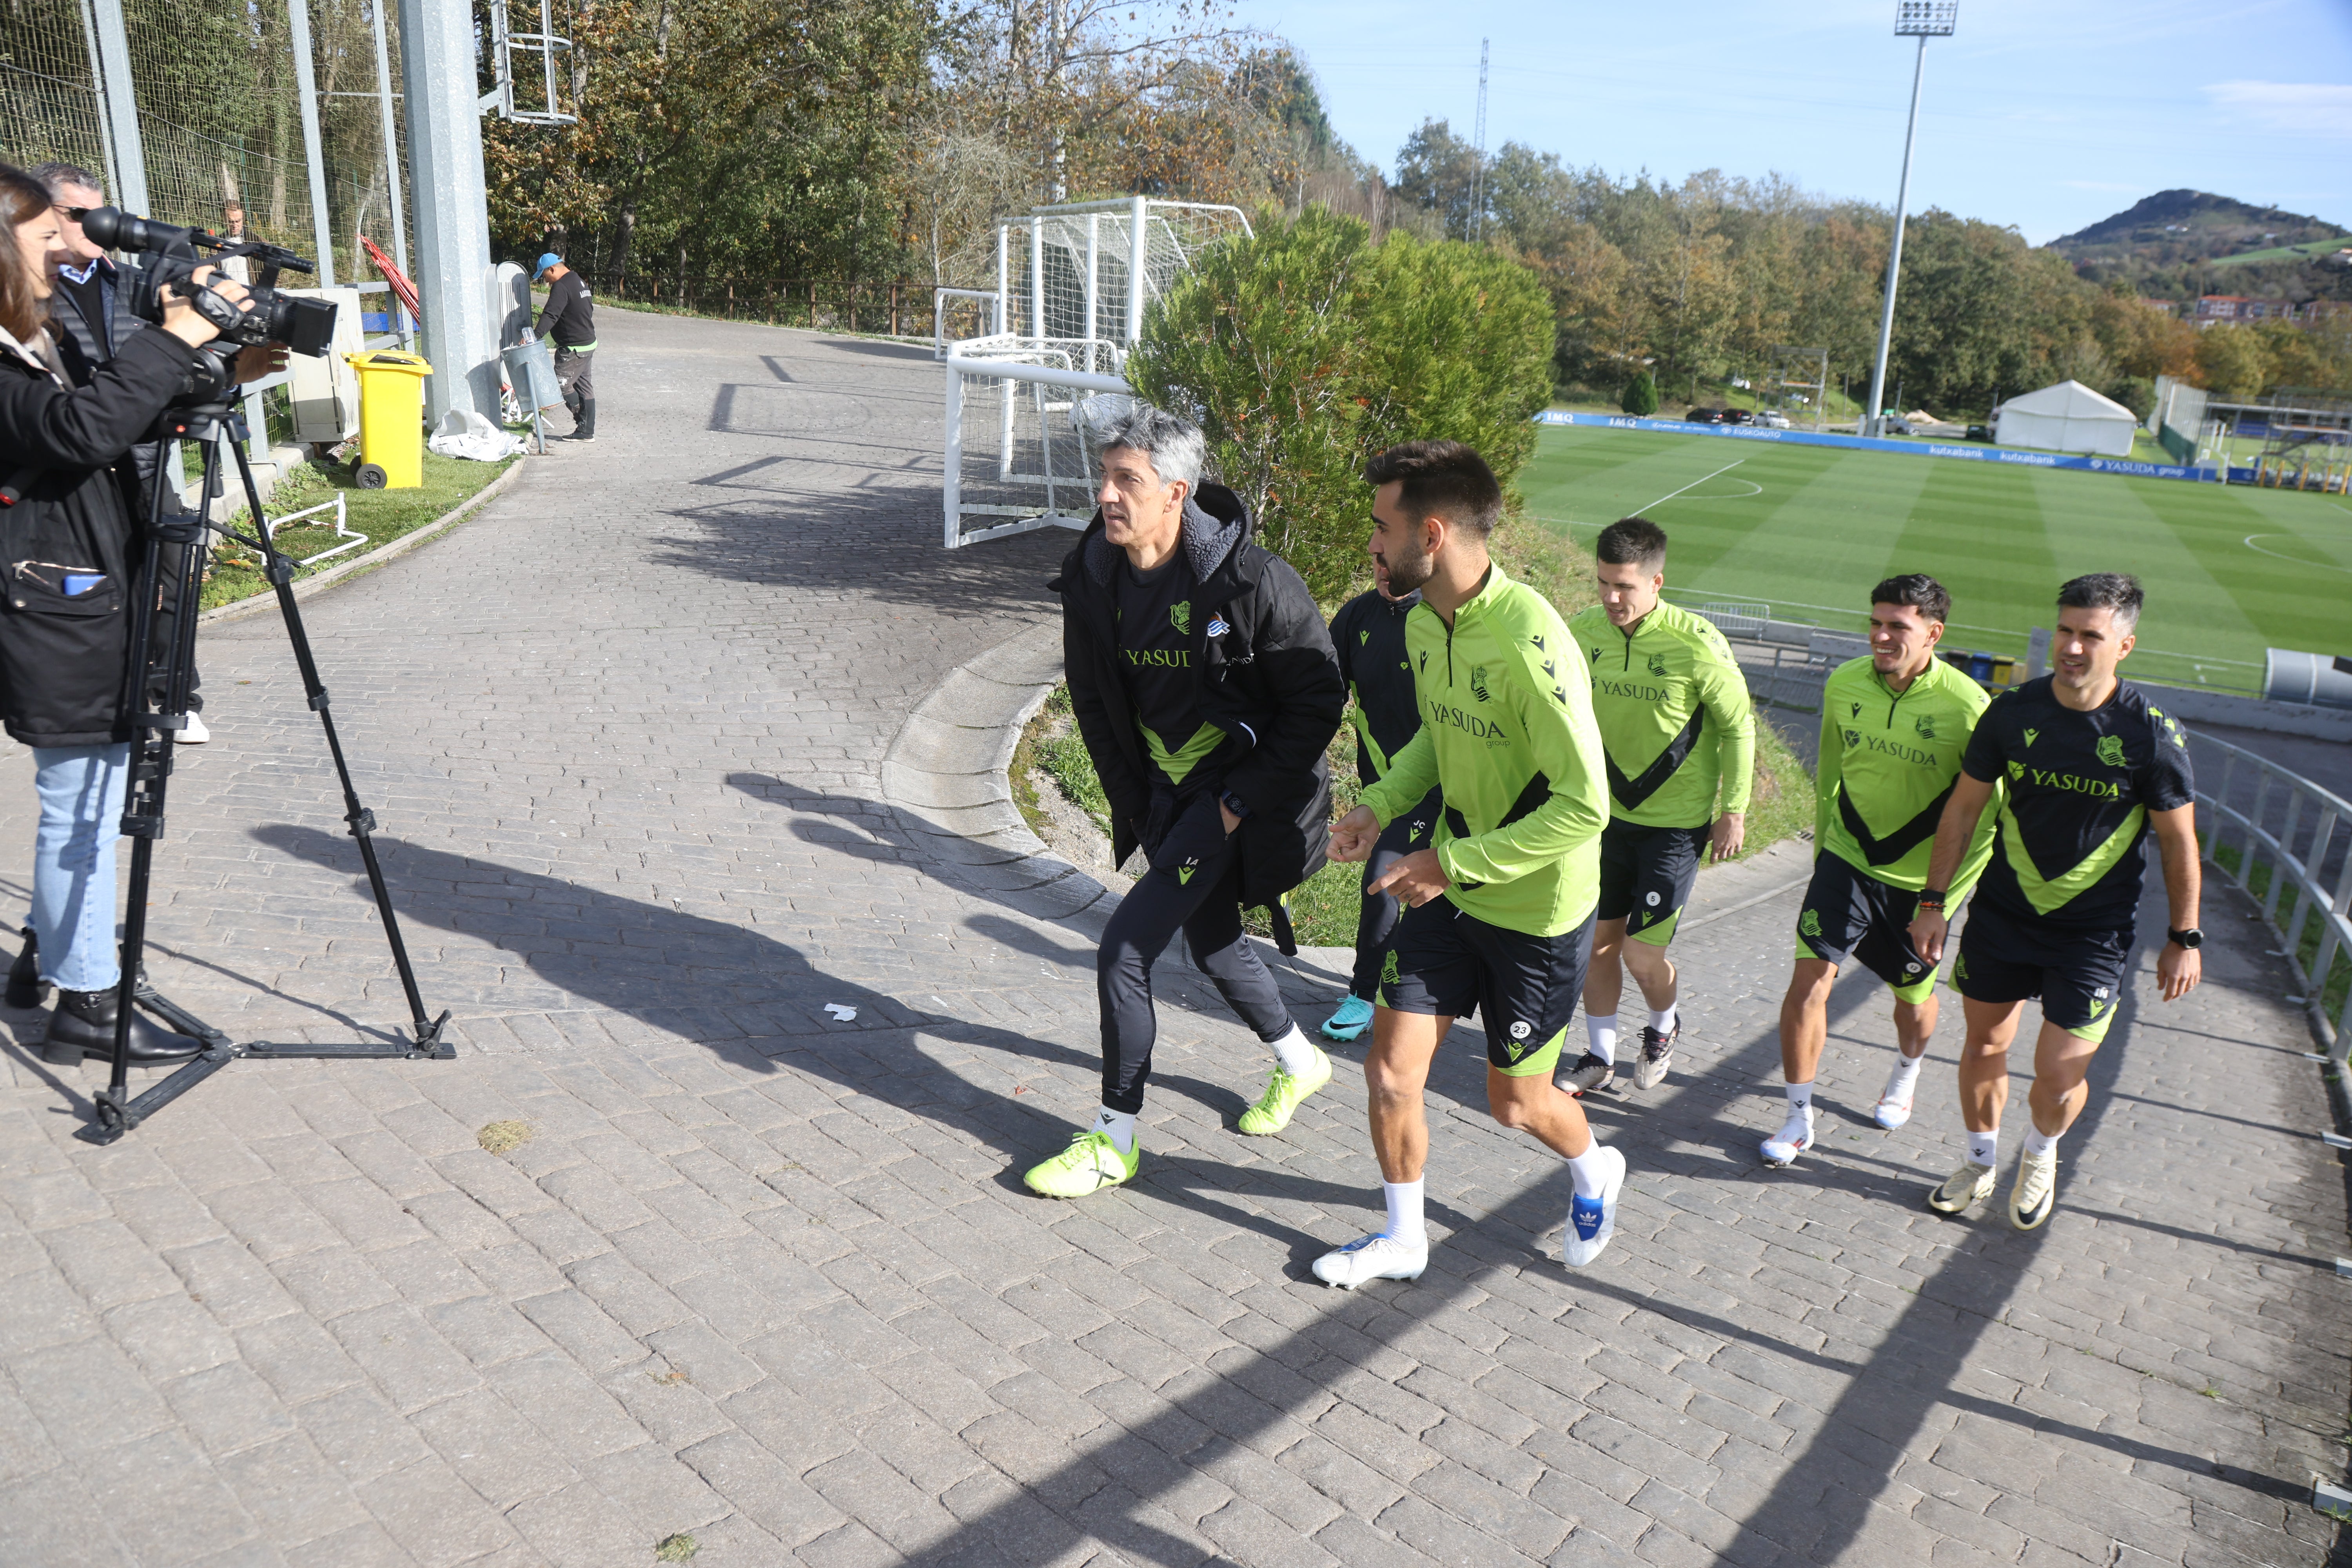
2192, 939
1930, 898
1234, 803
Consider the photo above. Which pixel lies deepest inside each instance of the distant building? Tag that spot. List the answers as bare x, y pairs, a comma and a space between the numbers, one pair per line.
2212, 308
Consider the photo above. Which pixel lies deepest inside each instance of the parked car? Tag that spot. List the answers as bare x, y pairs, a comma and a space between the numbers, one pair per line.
1705, 416
1980, 432
1738, 417
1774, 418
1895, 425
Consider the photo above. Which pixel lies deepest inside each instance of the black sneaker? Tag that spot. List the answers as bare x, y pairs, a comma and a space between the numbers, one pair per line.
1588, 1074
1658, 1056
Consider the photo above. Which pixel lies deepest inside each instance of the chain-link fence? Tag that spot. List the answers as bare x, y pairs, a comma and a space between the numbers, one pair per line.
218, 95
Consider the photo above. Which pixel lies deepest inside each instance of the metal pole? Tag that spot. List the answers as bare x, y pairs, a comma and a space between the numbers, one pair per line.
452, 221
1094, 288
323, 231
1036, 279
1004, 283
391, 156
117, 88
1136, 248
97, 84
1871, 421
951, 485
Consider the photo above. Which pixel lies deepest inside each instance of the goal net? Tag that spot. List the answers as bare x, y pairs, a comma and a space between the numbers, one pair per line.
1072, 284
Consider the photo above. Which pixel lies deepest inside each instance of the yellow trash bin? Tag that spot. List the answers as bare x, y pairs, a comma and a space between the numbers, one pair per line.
392, 419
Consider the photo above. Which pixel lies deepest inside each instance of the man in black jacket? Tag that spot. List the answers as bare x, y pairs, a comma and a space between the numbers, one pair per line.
1204, 687
569, 320
1368, 634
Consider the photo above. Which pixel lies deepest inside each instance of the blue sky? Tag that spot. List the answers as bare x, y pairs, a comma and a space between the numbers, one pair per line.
2046, 114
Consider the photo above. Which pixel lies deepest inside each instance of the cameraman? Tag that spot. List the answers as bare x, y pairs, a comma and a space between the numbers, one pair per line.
89, 304
67, 548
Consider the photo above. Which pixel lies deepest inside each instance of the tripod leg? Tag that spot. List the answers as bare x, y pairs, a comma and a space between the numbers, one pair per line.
280, 571
164, 571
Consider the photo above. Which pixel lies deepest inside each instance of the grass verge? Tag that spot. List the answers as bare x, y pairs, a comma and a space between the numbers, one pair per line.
382, 515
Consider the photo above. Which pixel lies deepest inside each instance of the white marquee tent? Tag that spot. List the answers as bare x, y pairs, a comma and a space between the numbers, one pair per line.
2067, 417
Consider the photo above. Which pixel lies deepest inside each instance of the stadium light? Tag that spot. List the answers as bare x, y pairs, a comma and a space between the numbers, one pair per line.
1923, 20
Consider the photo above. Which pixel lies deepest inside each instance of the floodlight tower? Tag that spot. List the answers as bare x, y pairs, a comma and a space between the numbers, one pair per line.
1923, 20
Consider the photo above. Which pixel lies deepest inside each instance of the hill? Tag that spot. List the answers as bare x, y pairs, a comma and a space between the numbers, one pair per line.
2171, 228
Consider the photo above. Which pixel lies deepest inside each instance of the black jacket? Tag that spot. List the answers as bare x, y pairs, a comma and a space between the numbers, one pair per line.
1266, 676
1369, 635
89, 343
62, 670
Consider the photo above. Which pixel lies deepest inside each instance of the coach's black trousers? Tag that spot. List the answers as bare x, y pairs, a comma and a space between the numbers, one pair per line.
1194, 886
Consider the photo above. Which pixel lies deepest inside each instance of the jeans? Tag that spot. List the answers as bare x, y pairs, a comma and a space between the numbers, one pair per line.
73, 863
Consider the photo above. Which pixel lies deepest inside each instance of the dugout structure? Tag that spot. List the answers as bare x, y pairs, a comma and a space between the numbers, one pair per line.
2309, 441
1073, 283
1798, 384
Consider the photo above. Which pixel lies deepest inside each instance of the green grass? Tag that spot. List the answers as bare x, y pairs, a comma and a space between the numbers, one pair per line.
2302, 252
382, 515
1808, 530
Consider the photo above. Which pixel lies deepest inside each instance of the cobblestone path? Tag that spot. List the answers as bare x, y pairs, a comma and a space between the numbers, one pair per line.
767, 1280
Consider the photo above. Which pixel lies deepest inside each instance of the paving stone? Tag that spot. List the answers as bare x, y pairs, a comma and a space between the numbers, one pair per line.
647, 744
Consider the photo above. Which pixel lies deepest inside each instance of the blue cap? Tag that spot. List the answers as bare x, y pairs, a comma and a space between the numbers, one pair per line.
550, 259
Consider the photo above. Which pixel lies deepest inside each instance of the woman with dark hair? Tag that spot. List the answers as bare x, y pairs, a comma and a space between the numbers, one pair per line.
67, 548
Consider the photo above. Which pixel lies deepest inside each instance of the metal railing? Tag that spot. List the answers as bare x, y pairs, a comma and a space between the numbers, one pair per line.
2284, 839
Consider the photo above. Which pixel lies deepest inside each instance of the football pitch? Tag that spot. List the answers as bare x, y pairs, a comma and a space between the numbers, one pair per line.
1808, 530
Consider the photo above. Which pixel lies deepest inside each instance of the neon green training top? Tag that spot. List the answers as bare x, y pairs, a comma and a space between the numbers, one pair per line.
1674, 713
1888, 762
1507, 728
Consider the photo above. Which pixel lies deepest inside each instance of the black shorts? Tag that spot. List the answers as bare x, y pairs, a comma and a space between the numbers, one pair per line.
1646, 875
1852, 914
1524, 988
2078, 975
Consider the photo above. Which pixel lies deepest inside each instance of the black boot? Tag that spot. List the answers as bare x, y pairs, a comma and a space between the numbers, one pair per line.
83, 1025
586, 429
26, 986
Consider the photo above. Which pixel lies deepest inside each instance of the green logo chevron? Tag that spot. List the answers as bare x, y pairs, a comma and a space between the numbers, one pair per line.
2032, 736
1183, 876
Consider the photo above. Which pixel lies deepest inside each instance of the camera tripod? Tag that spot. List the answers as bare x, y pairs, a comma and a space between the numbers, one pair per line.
158, 682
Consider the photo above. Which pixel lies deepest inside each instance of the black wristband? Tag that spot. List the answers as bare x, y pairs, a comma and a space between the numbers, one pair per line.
1931, 897
1234, 803
2190, 939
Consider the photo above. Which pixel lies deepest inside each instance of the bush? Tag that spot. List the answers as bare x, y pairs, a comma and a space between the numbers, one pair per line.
1305, 349
1640, 397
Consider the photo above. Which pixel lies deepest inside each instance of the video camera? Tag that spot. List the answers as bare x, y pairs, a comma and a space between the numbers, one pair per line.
305, 326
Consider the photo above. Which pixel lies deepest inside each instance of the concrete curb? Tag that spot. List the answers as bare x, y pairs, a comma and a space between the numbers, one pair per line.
260, 602
945, 775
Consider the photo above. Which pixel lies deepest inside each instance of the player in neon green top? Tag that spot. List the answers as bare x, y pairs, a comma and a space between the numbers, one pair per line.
1500, 909
1675, 719
1894, 725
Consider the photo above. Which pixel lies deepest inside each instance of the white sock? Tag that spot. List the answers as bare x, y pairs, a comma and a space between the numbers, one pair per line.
1662, 1018
2040, 1143
1984, 1148
1405, 1212
1293, 1051
1121, 1125
1590, 1170
1602, 1032
1903, 1080
1800, 1100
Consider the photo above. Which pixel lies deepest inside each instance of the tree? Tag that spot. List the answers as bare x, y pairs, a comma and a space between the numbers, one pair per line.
1305, 349
1641, 398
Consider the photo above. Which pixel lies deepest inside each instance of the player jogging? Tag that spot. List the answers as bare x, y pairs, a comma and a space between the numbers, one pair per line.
1498, 909
2091, 769
1202, 679
1368, 634
1675, 718
1893, 726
